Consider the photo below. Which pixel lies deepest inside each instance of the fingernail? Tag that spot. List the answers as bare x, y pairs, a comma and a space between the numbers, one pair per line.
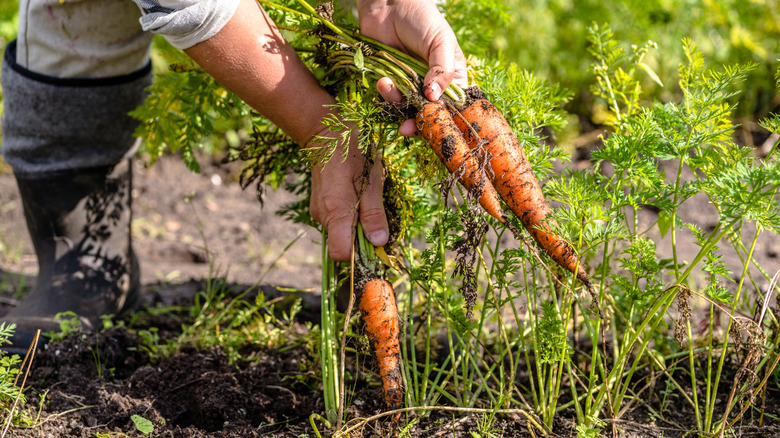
378, 238
435, 91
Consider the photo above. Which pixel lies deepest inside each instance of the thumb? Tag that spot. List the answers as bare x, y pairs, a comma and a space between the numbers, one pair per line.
372, 210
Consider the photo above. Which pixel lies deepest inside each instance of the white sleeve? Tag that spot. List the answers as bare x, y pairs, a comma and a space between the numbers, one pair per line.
185, 23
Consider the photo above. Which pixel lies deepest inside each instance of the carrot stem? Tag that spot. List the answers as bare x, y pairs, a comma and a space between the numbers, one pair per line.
330, 387
335, 29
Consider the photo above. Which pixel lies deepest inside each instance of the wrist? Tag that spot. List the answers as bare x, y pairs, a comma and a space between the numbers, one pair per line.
312, 126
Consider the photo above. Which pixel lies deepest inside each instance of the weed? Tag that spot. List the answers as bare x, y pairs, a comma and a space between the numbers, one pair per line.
594, 431
220, 317
485, 427
9, 367
70, 324
11, 389
142, 424
223, 316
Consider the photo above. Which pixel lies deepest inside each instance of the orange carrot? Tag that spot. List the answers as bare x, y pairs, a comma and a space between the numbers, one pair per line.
380, 320
437, 126
482, 123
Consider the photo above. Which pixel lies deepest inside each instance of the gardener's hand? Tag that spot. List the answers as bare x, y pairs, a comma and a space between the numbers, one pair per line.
416, 27
250, 57
335, 191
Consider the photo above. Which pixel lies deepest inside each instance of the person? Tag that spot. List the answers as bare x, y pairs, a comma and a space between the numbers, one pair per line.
78, 67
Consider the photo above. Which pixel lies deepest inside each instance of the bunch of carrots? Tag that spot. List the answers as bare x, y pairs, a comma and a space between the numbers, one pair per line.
456, 136
475, 142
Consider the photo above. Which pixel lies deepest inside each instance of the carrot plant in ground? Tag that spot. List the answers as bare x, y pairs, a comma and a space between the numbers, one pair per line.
693, 139
490, 322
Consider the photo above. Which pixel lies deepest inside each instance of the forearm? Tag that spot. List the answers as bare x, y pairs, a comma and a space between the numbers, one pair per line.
251, 58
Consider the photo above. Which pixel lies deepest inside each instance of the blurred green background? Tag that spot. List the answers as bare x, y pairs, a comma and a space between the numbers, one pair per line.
549, 38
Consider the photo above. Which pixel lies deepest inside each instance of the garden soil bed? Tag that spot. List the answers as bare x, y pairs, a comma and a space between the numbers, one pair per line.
188, 228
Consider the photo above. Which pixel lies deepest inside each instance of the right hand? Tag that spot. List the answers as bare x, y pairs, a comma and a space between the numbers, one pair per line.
334, 194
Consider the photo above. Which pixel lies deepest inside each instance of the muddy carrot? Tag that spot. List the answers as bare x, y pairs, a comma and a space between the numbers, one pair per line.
380, 320
437, 126
513, 179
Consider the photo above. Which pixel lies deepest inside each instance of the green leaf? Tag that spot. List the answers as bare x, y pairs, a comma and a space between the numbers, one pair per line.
142, 424
664, 222
650, 72
358, 58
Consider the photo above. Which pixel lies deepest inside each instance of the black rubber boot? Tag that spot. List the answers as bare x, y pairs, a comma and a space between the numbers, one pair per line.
63, 137
80, 227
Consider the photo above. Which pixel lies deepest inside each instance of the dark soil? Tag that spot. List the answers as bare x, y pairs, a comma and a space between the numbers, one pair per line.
221, 230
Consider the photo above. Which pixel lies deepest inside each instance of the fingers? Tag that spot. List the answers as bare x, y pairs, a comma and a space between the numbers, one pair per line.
408, 128
332, 203
335, 216
390, 93
461, 75
388, 90
436, 81
447, 64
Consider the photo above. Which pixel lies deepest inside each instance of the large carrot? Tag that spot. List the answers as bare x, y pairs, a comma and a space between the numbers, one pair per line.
437, 126
482, 123
380, 320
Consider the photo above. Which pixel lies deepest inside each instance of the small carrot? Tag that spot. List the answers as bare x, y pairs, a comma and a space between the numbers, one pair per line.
437, 126
482, 123
380, 320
